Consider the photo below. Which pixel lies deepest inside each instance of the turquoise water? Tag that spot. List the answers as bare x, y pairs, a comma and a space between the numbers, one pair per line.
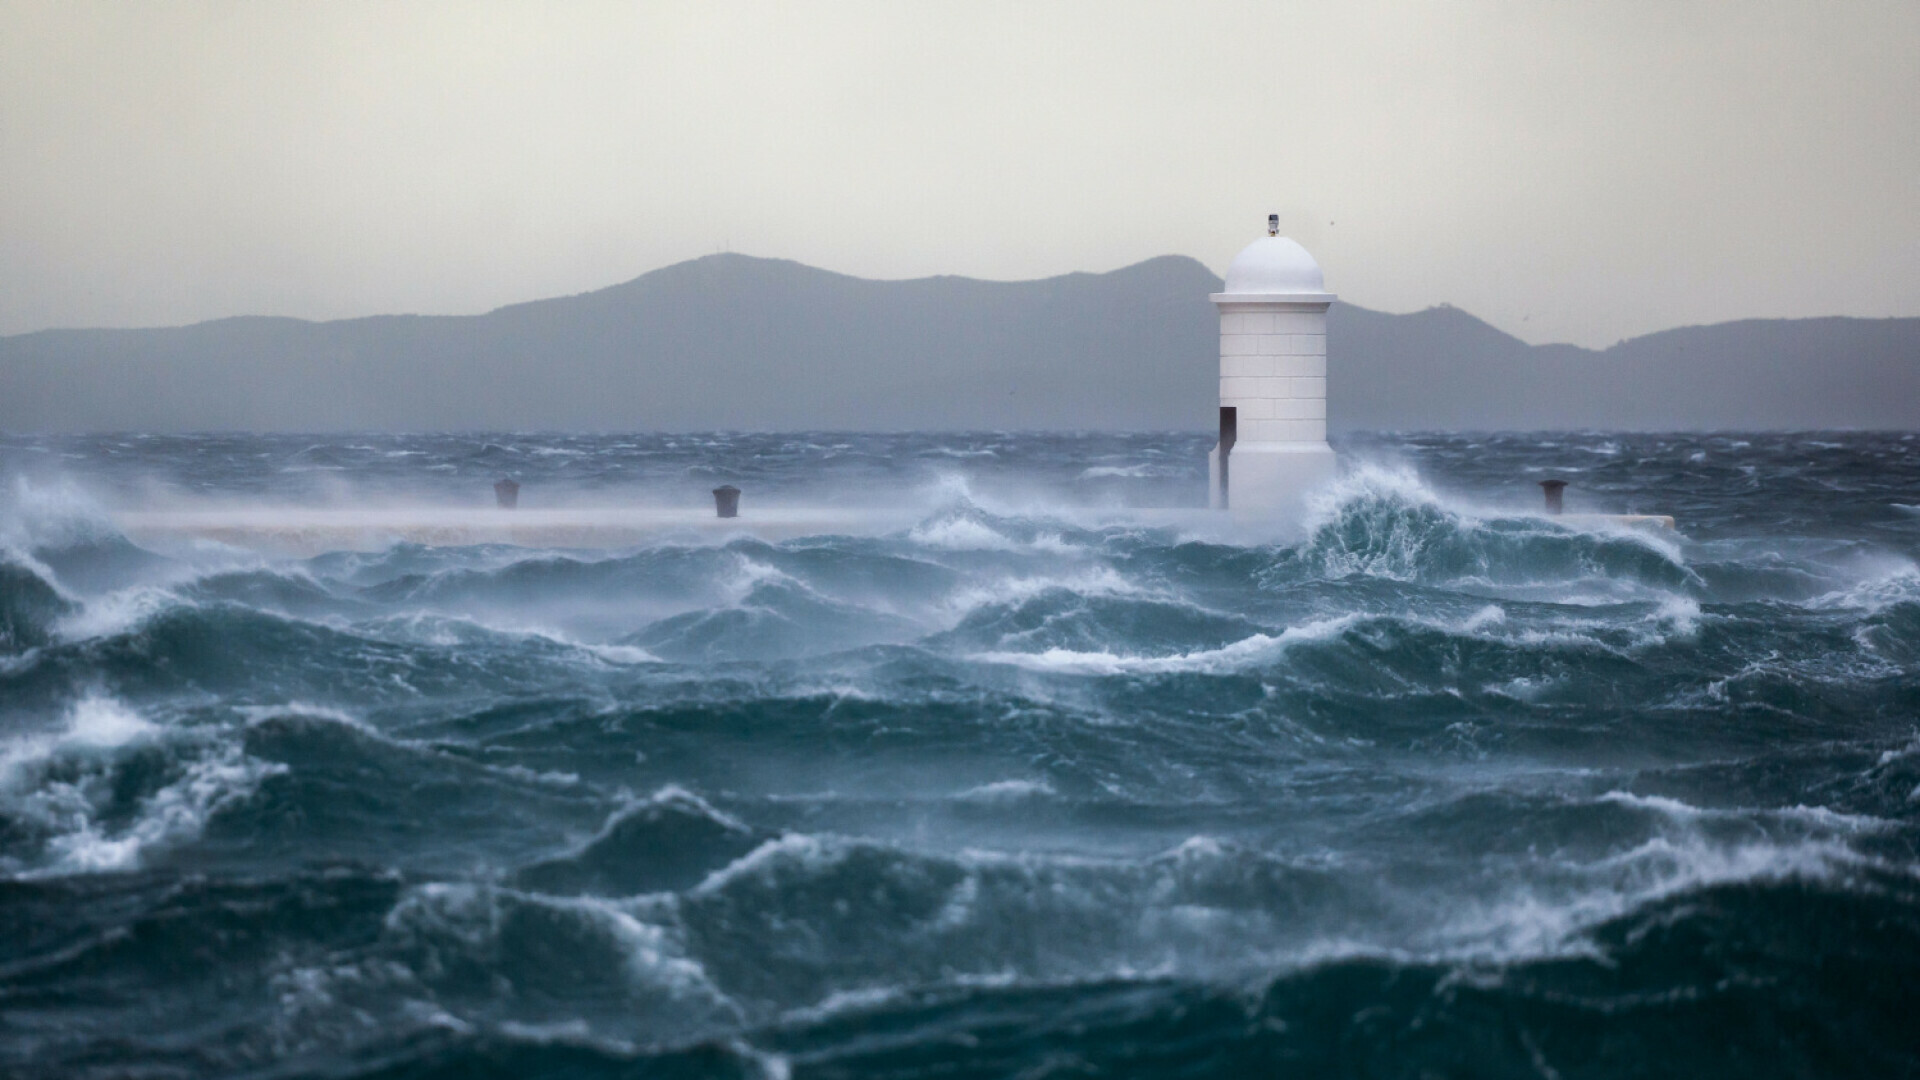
1442, 788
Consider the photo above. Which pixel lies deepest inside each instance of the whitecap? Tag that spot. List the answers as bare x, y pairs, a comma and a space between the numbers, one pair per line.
1247, 652
1007, 791
94, 723
960, 534
470, 917
55, 779
1126, 472
175, 814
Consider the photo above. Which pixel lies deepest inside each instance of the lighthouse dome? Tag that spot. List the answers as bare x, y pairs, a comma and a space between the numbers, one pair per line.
1274, 265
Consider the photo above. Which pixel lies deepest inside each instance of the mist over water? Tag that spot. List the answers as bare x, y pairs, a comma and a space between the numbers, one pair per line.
1438, 787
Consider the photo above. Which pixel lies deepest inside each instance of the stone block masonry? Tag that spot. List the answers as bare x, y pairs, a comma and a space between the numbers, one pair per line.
1273, 376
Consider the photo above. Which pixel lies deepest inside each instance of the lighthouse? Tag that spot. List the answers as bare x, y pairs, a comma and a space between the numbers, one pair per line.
1273, 380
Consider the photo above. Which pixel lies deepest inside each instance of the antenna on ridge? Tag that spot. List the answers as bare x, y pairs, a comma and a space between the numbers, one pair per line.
1273, 224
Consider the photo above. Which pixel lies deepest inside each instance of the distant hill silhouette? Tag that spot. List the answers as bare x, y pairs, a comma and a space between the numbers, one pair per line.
733, 342
1444, 369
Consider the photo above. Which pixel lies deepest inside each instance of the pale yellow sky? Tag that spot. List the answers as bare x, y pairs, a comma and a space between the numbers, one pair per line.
1569, 171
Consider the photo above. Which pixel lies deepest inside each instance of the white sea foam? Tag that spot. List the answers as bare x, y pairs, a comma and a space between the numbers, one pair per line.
1365, 481
863, 999
1089, 581
1491, 615
1251, 651
99, 722
175, 814
1679, 614
1380, 519
747, 574
675, 795
1912, 748
63, 801
621, 655
1558, 902
94, 723
961, 534
1553, 911
455, 631
1247, 652
116, 613
474, 917
1184, 910
1007, 791
1127, 472
1816, 817
51, 514
1882, 582
793, 848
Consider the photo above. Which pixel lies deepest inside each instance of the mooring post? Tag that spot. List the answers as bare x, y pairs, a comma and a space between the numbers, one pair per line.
1553, 488
726, 501
506, 492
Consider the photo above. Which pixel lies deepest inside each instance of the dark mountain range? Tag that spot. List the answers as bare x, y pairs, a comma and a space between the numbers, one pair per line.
732, 342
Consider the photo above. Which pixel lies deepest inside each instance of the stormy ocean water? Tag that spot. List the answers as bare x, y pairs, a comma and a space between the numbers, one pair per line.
1439, 788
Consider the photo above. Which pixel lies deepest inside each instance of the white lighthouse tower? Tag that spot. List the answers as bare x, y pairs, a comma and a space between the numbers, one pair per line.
1273, 380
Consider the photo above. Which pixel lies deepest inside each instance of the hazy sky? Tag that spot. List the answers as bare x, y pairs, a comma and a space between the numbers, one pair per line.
1569, 171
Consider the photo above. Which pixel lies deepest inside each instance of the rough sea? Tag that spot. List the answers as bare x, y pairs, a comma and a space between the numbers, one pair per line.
1439, 787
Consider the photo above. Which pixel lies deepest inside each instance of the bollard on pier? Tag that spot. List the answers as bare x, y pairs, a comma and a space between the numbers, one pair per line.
1553, 490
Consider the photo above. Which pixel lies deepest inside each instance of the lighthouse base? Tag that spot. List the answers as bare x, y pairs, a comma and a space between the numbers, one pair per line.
1269, 480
